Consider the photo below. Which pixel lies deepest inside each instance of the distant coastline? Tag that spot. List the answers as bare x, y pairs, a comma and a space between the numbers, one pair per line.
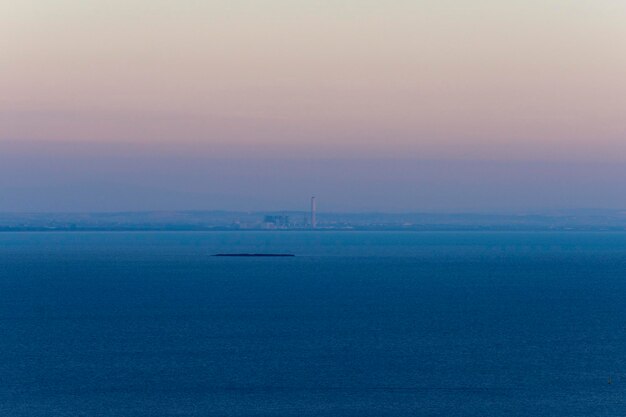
317, 230
290, 221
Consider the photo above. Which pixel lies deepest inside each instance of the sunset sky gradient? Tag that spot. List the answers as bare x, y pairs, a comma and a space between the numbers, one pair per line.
460, 80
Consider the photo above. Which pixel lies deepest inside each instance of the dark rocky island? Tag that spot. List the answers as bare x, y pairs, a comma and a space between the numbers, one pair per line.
256, 254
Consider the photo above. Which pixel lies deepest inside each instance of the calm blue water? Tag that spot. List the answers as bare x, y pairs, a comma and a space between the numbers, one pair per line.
358, 324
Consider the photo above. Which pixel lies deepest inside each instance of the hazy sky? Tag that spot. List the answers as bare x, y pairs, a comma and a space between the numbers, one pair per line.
116, 177
232, 80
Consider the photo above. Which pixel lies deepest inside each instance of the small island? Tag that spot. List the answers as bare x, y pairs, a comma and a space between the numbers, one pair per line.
256, 254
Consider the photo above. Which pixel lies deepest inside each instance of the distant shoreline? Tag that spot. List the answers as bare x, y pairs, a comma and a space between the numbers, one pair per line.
319, 230
299, 221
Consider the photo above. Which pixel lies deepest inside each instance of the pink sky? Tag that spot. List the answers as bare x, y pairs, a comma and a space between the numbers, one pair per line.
482, 79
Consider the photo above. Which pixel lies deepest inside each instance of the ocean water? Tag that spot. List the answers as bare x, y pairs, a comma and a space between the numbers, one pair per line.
357, 324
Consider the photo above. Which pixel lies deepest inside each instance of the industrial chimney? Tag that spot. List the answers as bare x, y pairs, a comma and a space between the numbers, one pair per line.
313, 219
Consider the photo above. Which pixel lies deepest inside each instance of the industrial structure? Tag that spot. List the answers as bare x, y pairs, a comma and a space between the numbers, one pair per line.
276, 221
313, 209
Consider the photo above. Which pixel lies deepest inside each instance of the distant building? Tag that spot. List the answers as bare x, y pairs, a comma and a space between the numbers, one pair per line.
279, 222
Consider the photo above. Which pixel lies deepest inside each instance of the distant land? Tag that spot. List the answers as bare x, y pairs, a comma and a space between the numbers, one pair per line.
581, 220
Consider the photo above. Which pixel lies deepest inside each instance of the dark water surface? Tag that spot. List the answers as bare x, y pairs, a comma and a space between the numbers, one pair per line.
358, 324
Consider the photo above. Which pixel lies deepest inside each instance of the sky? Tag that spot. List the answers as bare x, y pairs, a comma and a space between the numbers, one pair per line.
402, 105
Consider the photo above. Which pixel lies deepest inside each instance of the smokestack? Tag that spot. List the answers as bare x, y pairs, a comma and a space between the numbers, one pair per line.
313, 208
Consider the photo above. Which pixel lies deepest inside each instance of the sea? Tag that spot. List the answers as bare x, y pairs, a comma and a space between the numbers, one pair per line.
134, 324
